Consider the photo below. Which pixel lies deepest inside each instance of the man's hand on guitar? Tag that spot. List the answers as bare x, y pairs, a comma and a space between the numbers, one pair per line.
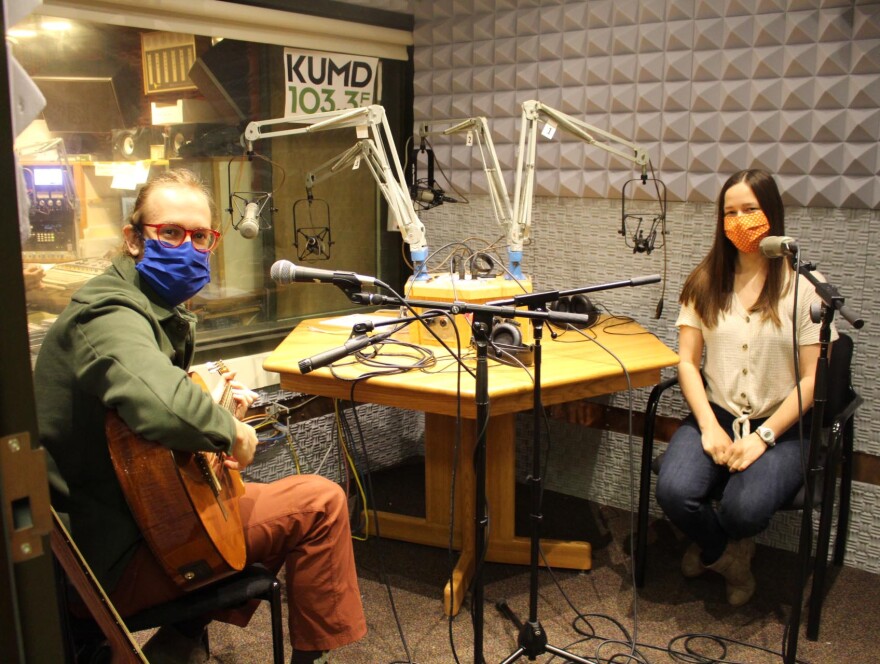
241, 395
244, 447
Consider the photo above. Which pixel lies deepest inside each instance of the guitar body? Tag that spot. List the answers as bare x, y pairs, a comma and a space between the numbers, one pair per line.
185, 503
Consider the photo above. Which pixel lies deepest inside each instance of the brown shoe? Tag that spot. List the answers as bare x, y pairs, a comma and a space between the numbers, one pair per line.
169, 646
735, 565
691, 564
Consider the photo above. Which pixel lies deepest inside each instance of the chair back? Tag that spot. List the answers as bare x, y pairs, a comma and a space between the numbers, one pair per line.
840, 391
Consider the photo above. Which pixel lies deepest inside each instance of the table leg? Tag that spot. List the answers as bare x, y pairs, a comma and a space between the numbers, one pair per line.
440, 435
503, 545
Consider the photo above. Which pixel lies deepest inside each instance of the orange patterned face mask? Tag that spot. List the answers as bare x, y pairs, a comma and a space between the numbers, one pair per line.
746, 230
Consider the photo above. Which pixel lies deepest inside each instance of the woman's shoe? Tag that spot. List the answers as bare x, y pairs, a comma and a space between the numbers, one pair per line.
691, 564
735, 565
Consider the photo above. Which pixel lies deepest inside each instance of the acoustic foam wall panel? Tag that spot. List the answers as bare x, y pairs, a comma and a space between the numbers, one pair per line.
787, 86
730, 79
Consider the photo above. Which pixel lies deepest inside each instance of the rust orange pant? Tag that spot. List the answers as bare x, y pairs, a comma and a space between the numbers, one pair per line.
300, 522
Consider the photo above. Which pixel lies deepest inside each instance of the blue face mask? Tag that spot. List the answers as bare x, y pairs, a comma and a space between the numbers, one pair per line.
175, 273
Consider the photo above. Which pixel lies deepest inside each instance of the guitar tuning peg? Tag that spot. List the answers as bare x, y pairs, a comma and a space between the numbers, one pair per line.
217, 366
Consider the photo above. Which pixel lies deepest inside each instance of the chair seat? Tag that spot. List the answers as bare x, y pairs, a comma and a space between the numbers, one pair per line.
88, 642
233, 591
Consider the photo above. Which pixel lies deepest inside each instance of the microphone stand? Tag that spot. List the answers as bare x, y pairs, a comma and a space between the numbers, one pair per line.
532, 639
483, 315
482, 328
831, 301
358, 341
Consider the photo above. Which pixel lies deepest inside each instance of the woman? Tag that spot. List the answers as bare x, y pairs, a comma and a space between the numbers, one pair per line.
742, 437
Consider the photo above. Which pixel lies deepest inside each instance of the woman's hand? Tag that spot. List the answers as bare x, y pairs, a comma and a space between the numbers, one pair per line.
744, 452
717, 443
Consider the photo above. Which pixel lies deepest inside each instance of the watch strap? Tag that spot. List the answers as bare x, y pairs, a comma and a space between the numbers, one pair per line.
766, 434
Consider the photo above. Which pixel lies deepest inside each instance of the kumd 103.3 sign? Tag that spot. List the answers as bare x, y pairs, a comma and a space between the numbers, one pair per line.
318, 82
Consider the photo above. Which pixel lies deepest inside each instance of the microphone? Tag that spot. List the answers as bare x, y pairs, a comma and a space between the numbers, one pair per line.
330, 356
284, 272
432, 197
776, 246
250, 224
425, 196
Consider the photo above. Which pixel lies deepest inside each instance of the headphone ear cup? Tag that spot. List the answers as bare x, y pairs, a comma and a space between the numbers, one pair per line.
506, 334
507, 343
562, 305
481, 265
577, 304
581, 304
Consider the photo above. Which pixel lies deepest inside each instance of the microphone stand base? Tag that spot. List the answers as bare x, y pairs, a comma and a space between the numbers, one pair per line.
532, 640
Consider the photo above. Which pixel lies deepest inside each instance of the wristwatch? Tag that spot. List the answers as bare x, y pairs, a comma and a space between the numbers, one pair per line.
766, 434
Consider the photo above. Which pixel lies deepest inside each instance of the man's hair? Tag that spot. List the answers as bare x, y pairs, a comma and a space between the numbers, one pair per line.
177, 177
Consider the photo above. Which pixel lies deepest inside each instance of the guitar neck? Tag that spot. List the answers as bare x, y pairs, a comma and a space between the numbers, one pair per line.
226, 399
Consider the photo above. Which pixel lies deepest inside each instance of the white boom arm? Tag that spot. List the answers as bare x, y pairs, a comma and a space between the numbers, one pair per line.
501, 207
532, 113
372, 127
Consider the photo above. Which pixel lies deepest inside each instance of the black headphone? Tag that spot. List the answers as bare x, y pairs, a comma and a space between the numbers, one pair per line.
506, 340
481, 265
577, 304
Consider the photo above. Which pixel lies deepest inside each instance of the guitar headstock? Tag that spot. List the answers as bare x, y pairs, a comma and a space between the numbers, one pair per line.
218, 367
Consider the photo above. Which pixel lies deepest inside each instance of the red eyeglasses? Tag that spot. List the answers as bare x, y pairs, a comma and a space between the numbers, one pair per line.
172, 235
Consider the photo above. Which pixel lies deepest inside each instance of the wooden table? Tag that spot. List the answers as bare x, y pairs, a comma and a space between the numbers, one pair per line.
572, 369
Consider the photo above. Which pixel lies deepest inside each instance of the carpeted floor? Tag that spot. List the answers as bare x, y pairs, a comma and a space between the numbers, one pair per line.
668, 609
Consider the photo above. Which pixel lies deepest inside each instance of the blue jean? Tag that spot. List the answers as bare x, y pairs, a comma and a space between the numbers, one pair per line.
689, 481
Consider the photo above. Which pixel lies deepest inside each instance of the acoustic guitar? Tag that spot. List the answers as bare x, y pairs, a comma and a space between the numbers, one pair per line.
185, 503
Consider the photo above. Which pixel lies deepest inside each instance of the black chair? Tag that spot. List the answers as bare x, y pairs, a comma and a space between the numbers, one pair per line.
836, 457
88, 642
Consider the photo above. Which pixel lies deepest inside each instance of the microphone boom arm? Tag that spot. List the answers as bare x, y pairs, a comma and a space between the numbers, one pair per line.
478, 127
532, 113
373, 132
371, 154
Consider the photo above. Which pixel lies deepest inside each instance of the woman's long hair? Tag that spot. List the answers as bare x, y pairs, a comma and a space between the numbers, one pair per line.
710, 286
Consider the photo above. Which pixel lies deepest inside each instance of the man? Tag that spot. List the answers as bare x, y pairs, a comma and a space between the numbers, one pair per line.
124, 343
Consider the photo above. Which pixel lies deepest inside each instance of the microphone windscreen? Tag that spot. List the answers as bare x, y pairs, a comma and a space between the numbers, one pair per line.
773, 246
249, 229
250, 224
282, 272
425, 196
